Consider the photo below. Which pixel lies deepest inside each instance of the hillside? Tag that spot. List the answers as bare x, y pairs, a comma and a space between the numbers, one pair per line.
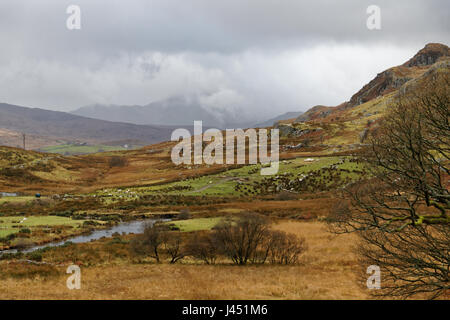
387, 81
85, 194
281, 117
320, 132
45, 128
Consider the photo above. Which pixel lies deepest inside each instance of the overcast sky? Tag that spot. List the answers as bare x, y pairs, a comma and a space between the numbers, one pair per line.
262, 56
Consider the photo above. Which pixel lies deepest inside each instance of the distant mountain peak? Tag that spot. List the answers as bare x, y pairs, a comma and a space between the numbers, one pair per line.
178, 110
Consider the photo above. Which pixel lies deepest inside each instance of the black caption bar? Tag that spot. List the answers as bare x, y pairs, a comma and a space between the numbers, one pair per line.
233, 309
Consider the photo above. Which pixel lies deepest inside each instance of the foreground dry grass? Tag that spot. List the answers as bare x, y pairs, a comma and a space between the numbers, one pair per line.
326, 272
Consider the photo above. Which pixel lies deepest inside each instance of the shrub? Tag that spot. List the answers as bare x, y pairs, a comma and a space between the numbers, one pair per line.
203, 247
23, 243
149, 243
286, 195
117, 161
241, 241
35, 256
11, 236
250, 240
173, 246
184, 214
173, 227
88, 223
156, 241
285, 248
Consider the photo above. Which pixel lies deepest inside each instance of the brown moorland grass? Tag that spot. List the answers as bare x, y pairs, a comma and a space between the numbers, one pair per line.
306, 208
325, 272
86, 173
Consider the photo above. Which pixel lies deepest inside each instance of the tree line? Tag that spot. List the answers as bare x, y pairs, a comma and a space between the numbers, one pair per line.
246, 240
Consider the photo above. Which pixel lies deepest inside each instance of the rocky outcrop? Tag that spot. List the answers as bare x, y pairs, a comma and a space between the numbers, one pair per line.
429, 55
432, 57
393, 78
314, 113
384, 83
288, 130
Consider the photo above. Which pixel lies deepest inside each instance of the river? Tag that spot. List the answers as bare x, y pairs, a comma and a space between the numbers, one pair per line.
121, 228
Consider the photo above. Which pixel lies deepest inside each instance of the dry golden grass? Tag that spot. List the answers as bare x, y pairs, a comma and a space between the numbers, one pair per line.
308, 207
325, 272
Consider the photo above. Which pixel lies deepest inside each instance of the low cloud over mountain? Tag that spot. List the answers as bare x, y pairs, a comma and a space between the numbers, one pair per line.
239, 61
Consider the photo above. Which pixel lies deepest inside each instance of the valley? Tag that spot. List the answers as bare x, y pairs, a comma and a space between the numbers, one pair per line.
58, 193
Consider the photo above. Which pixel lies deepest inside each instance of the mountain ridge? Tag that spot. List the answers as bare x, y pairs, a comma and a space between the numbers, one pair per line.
281, 117
57, 125
386, 81
174, 111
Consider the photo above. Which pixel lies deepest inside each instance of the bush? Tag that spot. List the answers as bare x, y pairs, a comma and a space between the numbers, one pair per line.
250, 240
11, 236
149, 243
23, 243
158, 242
286, 195
247, 240
242, 240
203, 247
285, 248
89, 223
173, 227
35, 256
184, 214
173, 246
116, 161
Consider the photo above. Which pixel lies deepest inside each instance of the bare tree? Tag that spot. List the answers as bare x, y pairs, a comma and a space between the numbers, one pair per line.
250, 240
203, 247
240, 240
150, 242
401, 209
172, 243
285, 248
159, 242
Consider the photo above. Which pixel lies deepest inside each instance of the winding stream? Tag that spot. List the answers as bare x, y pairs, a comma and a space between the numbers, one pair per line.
121, 228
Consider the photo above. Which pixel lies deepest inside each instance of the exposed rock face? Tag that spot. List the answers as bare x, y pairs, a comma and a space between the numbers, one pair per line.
314, 113
428, 55
393, 78
298, 146
287, 130
384, 83
432, 57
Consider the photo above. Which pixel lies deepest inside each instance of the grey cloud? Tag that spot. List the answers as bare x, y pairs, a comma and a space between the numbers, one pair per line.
218, 26
236, 56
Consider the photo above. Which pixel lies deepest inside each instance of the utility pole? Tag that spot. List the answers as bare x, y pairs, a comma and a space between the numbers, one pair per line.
24, 140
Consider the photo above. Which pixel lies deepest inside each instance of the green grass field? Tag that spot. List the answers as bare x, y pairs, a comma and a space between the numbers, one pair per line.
16, 199
9, 225
71, 149
223, 184
196, 224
